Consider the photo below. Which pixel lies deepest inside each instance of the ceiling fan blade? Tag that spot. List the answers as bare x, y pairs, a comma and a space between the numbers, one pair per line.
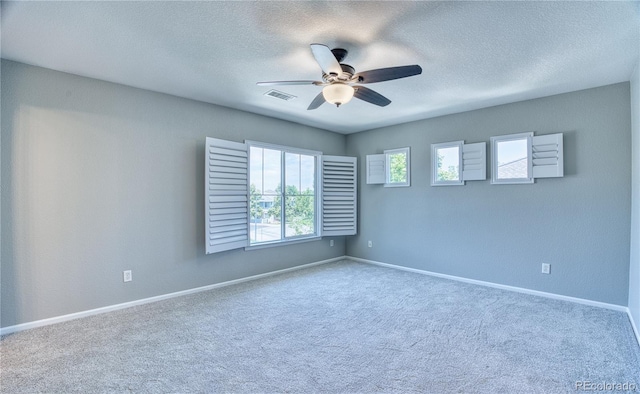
370, 96
318, 101
387, 74
272, 83
326, 59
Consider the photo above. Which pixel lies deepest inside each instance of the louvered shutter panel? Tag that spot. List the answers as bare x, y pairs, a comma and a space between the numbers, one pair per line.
376, 169
226, 195
547, 156
339, 195
474, 162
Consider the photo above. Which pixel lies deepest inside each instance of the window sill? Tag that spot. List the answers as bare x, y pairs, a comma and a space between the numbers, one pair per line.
397, 185
283, 243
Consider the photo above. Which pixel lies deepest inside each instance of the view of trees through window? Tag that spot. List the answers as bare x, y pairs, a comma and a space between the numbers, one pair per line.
448, 164
398, 168
277, 214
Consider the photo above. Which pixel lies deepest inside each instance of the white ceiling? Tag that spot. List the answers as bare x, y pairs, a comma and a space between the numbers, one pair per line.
473, 54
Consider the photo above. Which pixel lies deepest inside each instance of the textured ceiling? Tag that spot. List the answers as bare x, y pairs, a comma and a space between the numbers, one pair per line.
473, 54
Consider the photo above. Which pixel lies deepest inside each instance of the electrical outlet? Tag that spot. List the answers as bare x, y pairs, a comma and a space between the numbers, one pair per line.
126, 276
546, 268
370, 244
330, 242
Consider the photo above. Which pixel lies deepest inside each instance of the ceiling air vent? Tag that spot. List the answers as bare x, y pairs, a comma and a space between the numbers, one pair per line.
280, 95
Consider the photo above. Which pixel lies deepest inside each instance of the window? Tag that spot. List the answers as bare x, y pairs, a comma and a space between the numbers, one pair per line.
446, 164
397, 167
265, 174
511, 159
520, 158
392, 168
454, 163
281, 213
247, 205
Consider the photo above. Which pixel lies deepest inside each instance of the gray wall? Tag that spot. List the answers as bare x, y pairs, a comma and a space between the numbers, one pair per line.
99, 177
580, 224
634, 265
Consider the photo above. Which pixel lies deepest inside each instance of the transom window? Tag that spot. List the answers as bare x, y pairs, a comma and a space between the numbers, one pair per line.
280, 213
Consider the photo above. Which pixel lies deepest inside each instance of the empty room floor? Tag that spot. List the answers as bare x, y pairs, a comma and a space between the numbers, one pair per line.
338, 327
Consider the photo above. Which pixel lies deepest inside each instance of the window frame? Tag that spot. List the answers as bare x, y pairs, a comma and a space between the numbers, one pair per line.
317, 194
528, 136
388, 153
434, 163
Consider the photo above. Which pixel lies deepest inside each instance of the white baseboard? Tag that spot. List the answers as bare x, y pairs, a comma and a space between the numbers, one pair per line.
110, 308
634, 326
599, 304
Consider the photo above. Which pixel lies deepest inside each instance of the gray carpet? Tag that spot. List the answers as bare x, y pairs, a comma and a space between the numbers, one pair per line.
339, 328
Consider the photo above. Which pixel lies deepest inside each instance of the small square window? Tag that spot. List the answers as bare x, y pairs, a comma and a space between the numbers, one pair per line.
397, 167
446, 164
511, 159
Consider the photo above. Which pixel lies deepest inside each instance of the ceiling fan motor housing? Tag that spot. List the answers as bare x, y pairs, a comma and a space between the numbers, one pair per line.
347, 74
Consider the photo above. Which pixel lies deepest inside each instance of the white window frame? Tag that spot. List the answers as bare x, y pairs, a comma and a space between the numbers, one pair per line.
316, 195
494, 159
434, 163
388, 153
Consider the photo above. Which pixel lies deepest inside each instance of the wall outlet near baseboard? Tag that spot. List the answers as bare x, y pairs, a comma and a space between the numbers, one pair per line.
126, 276
370, 244
331, 243
546, 268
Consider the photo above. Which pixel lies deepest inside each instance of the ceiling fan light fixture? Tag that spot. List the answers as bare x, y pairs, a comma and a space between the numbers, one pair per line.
338, 93
337, 79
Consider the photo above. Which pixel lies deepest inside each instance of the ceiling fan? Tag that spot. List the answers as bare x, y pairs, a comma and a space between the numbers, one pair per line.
341, 82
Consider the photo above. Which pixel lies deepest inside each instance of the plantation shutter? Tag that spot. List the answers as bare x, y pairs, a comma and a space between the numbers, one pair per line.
376, 169
547, 156
226, 193
474, 161
339, 195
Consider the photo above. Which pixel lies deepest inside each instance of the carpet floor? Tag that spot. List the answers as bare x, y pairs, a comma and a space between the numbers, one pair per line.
342, 327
